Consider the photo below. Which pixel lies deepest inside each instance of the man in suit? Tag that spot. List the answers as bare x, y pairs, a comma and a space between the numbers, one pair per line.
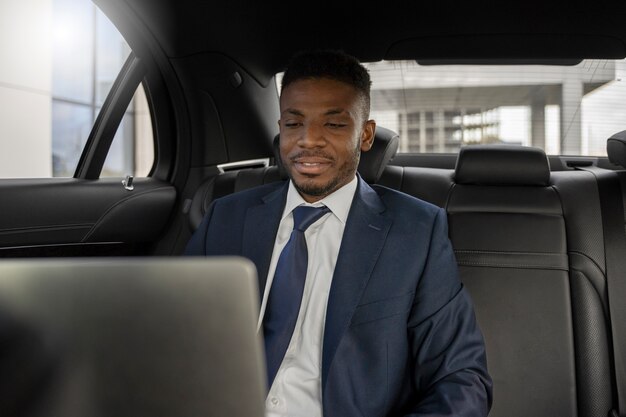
384, 326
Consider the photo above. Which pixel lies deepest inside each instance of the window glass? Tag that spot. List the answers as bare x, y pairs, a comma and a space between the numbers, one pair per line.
112, 51
59, 61
567, 110
72, 124
73, 51
132, 150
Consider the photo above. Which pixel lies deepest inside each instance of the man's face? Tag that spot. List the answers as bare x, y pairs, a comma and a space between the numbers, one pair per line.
322, 133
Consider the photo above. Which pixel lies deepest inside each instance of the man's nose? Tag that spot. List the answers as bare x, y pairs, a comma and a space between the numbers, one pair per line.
313, 136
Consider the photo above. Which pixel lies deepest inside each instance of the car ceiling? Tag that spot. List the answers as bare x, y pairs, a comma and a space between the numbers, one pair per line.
260, 36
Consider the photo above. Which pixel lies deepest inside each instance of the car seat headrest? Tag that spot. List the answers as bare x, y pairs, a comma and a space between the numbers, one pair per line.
372, 162
502, 165
616, 148
276, 148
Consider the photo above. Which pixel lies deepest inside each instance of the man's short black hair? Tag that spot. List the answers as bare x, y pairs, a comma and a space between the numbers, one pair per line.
332, 64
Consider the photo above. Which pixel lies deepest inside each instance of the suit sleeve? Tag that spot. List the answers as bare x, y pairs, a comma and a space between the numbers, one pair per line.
450, 367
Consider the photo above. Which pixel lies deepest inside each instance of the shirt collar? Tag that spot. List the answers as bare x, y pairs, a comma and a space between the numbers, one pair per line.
338, 202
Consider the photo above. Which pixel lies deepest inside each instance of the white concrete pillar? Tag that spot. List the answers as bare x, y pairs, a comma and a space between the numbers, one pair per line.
571, 126
422, 131
440, 122
404, 132
538, 119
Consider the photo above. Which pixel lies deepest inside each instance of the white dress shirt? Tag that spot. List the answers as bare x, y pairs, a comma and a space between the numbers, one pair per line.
296, 390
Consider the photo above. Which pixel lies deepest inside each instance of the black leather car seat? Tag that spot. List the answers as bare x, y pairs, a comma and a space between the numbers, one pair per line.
508, 228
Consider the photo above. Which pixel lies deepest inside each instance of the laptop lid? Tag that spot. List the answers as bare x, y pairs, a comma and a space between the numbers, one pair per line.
130, 337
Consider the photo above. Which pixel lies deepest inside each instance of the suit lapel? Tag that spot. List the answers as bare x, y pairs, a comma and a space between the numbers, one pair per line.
363, 239
259, 232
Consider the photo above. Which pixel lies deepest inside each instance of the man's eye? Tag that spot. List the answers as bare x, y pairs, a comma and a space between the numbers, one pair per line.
335, 125
292, 124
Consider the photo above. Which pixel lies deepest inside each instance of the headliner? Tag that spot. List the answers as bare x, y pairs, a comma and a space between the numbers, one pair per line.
260, 36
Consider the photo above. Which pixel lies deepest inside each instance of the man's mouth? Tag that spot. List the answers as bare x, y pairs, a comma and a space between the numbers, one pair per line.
311, 165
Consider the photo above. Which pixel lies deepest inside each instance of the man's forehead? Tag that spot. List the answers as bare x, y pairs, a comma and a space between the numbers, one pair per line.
321, 95
319, 83
330, 95
331, 111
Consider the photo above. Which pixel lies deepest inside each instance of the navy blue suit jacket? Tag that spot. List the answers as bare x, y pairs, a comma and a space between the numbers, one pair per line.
400, 336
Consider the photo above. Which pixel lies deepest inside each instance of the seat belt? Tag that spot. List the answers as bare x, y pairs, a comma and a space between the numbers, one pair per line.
612, 206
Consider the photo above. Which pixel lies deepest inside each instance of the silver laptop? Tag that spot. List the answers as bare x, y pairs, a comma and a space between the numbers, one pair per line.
130, 337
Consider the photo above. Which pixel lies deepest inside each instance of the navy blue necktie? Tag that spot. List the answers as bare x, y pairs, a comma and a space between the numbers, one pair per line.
283, 302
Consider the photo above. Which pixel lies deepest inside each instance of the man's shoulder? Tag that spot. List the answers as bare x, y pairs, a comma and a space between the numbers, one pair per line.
252, 195
400, 201
410, 213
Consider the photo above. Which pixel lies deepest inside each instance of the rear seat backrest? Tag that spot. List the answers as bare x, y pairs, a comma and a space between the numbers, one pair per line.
507, 226
371, 166
508, 233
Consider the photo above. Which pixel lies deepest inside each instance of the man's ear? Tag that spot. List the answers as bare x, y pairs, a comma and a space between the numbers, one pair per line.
367, 137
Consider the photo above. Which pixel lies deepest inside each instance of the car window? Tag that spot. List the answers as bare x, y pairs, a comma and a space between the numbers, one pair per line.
132, 150
60, 59
563, 109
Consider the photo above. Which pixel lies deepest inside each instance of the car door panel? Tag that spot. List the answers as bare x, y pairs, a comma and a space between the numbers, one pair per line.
76, 211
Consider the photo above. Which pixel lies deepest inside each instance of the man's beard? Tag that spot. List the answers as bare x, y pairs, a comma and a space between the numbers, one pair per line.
342, 178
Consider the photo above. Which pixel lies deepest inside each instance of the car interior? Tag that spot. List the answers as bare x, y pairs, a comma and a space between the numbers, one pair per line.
540, 237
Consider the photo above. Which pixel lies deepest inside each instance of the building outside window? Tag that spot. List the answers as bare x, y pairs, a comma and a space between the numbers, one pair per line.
563, 109
61, 58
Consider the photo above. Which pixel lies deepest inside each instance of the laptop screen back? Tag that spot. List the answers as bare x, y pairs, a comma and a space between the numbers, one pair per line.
130, 337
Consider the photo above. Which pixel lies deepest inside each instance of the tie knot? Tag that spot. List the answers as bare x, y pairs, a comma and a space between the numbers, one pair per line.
304, 216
